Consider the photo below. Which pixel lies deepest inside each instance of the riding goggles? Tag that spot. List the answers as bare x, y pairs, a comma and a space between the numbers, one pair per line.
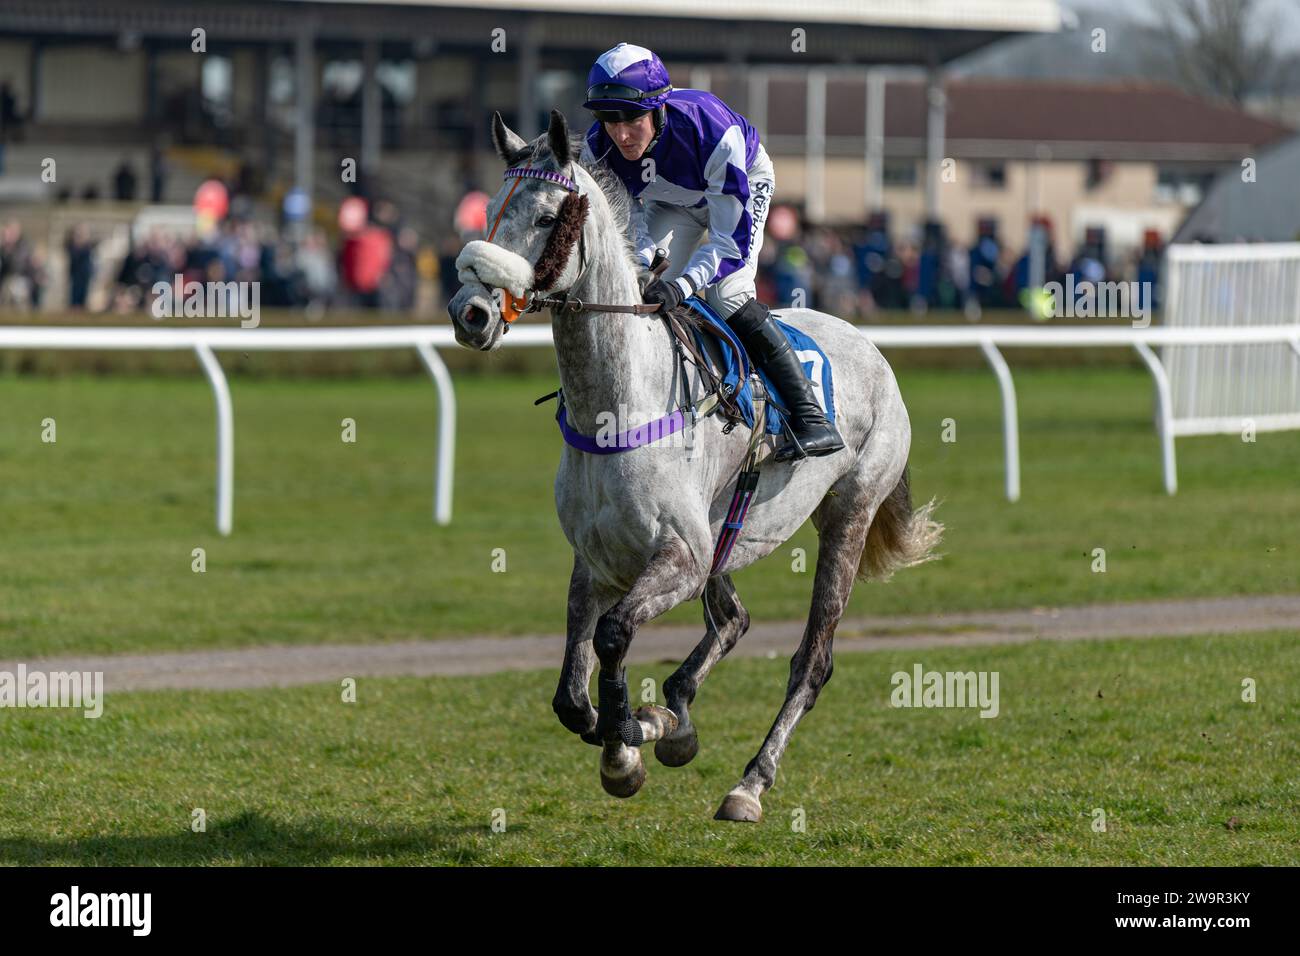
620, 91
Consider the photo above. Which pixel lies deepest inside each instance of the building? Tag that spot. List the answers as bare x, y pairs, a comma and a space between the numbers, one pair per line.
1126, 157
406, 87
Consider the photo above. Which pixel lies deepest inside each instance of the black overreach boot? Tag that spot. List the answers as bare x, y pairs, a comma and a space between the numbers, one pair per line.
767, 345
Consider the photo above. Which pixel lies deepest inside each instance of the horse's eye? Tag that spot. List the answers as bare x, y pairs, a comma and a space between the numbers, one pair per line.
546, 221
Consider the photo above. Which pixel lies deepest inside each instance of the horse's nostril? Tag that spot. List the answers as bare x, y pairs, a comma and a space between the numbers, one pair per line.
475, 318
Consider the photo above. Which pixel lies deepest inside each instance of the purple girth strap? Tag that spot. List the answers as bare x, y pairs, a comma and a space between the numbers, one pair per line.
624, 441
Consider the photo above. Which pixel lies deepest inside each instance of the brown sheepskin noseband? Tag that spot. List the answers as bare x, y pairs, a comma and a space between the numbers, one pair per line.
564, 236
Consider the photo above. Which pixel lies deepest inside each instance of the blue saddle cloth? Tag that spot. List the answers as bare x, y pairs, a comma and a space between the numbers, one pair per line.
736, 367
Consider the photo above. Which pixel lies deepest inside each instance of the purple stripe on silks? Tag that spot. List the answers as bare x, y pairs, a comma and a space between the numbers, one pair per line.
624, 441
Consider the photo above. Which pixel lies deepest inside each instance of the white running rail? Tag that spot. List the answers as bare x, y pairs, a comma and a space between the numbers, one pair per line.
205, 342
1222, 388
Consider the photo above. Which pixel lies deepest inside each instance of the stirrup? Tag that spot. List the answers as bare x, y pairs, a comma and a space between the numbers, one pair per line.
794, 450
785, 454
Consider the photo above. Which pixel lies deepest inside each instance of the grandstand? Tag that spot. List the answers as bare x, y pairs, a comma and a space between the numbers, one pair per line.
288, 88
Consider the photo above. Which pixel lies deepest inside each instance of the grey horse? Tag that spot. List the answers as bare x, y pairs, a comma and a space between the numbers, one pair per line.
643, 524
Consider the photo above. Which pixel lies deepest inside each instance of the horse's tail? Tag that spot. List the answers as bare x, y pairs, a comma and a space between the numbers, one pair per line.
900, 536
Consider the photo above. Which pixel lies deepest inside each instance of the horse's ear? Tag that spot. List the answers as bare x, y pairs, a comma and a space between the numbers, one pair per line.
510, 145
558, 137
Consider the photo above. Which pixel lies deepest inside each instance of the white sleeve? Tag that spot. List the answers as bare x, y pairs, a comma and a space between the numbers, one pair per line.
726, 195
642, 242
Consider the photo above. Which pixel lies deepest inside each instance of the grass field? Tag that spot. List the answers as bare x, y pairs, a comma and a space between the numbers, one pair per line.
1153, 732
334, 542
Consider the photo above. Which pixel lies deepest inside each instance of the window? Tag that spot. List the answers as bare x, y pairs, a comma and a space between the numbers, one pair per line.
986, 175
1099, 171
899, 172
1175, 185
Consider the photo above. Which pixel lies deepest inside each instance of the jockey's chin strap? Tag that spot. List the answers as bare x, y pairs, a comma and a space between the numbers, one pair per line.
512, 307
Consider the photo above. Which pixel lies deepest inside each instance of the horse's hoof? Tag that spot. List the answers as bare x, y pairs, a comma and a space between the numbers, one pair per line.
659, 721
622, 775
679, 749
740, 807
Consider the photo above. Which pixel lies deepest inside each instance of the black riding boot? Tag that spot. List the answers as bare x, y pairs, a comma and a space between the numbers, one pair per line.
768, 347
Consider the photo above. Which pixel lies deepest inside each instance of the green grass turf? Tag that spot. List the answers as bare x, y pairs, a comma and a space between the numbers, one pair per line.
335, 542
1152, 732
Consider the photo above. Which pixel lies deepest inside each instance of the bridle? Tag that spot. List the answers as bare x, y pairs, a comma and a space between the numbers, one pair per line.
512, 307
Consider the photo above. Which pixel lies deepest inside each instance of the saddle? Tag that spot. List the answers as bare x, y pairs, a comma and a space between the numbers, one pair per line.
720, 352
720, 360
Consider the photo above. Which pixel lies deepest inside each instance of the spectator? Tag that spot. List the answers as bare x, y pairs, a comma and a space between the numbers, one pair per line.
983, 264
1148, 270
36, 276
124, 182
930, 269
15, 267
10, 121
317, 270
363, 262
81, 265
398, 290
157, 172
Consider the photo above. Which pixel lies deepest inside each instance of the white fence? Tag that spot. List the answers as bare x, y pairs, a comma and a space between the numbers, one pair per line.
1216, 387
425, 340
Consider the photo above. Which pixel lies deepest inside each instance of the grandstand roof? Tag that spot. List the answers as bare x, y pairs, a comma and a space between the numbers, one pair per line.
999, 15
838, 31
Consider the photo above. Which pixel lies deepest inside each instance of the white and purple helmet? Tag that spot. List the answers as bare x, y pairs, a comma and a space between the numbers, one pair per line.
625, 82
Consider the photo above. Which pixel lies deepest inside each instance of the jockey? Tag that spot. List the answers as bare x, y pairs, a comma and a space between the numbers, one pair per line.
701, 184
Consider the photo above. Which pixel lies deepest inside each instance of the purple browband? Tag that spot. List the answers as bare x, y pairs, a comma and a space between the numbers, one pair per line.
528, 172
624, 441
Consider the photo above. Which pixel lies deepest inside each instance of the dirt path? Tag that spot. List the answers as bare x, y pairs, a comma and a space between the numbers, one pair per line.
289, 665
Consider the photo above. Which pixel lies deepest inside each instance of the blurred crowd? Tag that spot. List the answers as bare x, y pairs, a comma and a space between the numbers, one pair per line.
860, 271
374, 260
373, 264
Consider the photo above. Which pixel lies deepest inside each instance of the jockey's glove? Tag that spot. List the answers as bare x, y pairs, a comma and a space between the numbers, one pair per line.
668, 294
